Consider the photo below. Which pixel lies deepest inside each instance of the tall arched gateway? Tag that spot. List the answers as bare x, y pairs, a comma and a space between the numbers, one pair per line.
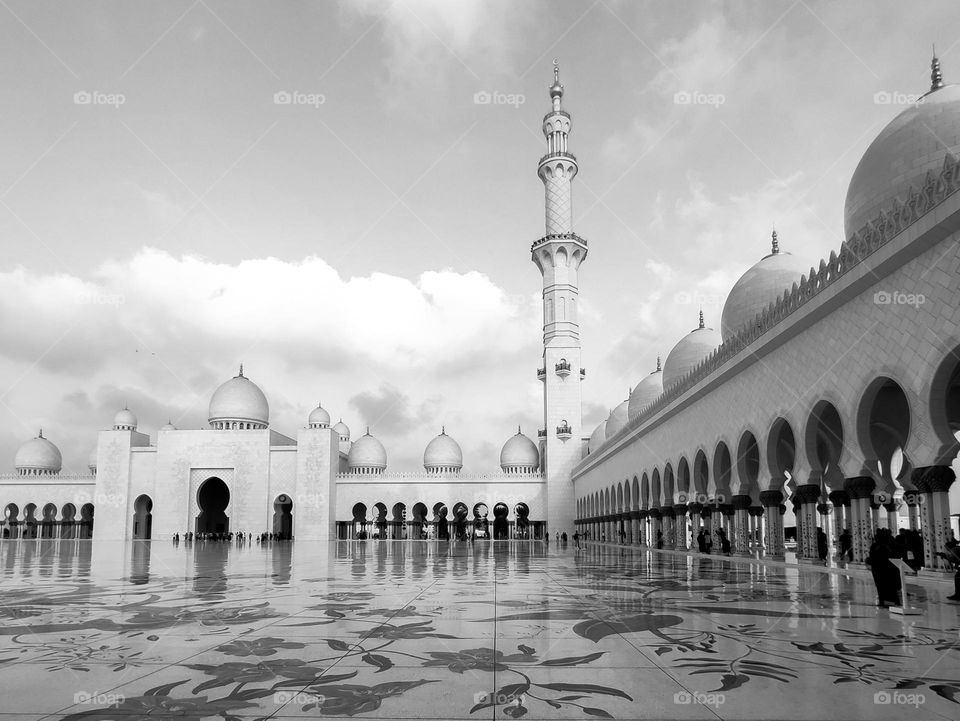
213, 497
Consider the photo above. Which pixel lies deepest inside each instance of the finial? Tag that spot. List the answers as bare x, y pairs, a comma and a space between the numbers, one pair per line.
241, 371
41, 434
556, 69
518, 429
556, 90
368, 430
774, 243
443, 430
936, 77
701, 318
659, 368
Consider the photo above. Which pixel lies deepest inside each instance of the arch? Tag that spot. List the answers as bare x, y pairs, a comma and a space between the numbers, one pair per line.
619, 497
481, 523
460, 513
213, 497
701, 476
143, 518
823, 438
944, 405
86, 520
11, 521
627, 500
522, 514
781, 453
668, 485
636, 493
683, 480
722, 471
30, 520
501, 526
883, 426
399, 521
748, 463
283, 517
68, 520
48, 523
655, 496
359, 512
644, 491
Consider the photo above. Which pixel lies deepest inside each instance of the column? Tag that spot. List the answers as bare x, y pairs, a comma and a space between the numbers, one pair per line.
808, 495
741, 525
706, 515
893, 517
642, 515
841, 505
934, 483
716, 524
912, 499
773, 518
860, 490
637, 539
695, 509
680, 523
670, 527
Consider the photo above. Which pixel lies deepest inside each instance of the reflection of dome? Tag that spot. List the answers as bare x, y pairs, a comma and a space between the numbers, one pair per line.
125, 421
597, 438
687, 354
760, 286
519, 455
341, 428
239, 403
168, 426
319, 418
646, 392
38, 457
617, 419
92, 460
367, 455
913, 143
442, 455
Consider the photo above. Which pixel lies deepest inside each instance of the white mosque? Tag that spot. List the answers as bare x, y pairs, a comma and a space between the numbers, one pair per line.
833, 387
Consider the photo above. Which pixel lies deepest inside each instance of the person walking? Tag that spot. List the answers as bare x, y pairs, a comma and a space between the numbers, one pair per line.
886, 576
576, 539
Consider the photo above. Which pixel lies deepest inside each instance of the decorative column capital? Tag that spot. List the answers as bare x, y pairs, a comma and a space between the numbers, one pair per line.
824, 509
654, 513
808, 493
911, 498
859, 486
756, 511
679, 509
839, 498
695, 508
667, 512
741, 502
771, 499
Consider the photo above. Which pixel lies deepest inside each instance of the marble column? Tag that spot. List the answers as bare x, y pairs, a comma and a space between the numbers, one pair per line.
934, 483
669, 527
860, 490
680, 526
841, 509
741, 525
695, 509
798, 519
706, 515
655, 526
642, 516
773, 517
893, 517
912, 499
809, 496
756, 527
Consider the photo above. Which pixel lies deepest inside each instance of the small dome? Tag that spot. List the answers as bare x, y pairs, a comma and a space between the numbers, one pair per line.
367, 455
443, 454
913, 143
239, 403
38, 456
319, 418
617, 419
598, 437
689, 352
125, 420
342, 429
646, 392
760, 286
519, 454
168, 426
92, 460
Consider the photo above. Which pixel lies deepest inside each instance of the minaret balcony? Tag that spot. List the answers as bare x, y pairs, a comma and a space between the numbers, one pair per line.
557, 155
564, 431
542, 374
563, 237
542, 433
564, 113
563, 368
583, 373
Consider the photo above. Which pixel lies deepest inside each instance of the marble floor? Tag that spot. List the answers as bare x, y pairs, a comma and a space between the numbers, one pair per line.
397, 630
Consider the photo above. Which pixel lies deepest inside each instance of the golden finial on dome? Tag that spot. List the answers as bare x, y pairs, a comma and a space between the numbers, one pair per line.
774, 243
241, 371
936, 77
659, 367
41, 434
701, 319
556, 90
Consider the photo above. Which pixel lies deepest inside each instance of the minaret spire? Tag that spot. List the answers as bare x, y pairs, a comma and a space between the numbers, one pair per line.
936, 77
774, 243
659, 367
701, 318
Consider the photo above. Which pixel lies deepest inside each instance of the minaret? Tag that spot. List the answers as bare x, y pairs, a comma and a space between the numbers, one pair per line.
558, 255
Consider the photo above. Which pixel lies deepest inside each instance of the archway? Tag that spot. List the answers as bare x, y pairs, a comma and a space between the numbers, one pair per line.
359, 520
440, 513
823, 439
501, 527
49, 523
86, 520
399, 523
30, 520
380, 520
481, 526
213, 497
11, 522
522, 513
283, 517
748, 464
68, 515
460, 512
701, 477
722, 470
419, 524
142, 518
883, 426
781, 453
945, 407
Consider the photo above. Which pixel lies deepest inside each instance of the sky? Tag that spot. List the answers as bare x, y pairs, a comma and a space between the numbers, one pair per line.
312, 189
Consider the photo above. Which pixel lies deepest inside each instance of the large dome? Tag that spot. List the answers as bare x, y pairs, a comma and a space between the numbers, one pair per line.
342, 429
38, 457
319, 418
598, 437
646, 392
239, 403
519, 454
367, 455
689, 352
125, 420
913, 143
443, 454
617, 419
760, 286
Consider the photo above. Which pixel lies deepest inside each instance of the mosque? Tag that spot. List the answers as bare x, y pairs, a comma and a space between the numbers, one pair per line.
833, 388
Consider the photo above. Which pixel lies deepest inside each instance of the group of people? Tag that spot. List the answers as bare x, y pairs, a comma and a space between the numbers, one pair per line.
705, 541
906, 546
229, 537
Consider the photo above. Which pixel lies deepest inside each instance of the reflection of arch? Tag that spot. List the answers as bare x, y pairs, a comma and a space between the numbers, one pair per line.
143, 517
283, 517
213, 497
781, 452
883, 426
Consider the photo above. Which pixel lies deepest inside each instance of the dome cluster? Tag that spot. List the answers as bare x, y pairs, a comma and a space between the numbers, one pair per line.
903, 159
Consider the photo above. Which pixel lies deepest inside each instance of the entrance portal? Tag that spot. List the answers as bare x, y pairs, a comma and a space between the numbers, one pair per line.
142, 517
283, 517
213, 498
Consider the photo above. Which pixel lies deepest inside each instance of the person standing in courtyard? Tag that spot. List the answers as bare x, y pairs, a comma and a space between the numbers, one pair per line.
886, 576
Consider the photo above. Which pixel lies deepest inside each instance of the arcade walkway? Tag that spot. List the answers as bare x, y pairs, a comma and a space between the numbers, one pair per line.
369, 629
